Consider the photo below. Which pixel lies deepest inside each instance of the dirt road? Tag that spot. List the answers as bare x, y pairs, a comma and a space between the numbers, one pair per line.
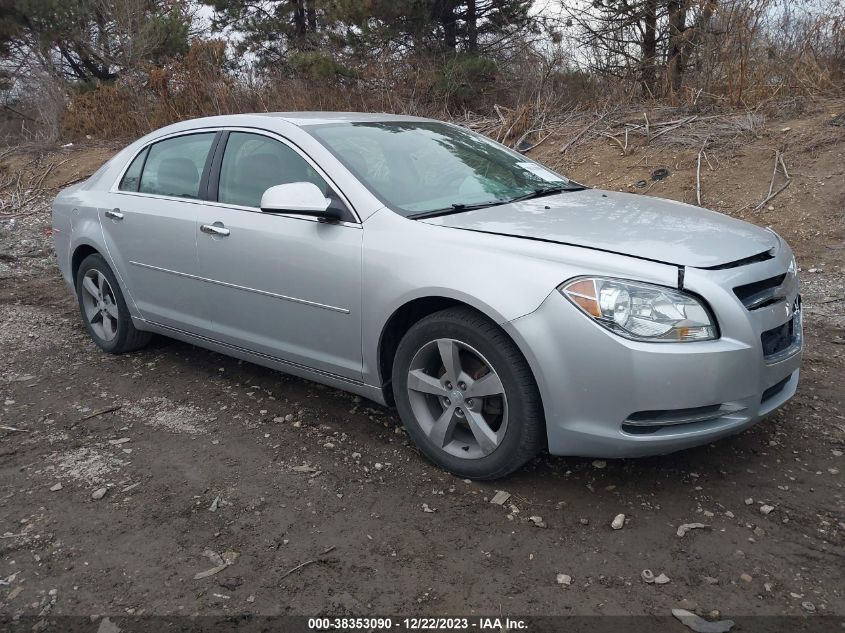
307, 500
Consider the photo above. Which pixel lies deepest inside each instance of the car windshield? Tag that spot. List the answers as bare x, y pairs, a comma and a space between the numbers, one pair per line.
421, 168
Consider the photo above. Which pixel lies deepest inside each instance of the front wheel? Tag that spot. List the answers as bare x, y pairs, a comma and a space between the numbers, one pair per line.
104, 310
467, 396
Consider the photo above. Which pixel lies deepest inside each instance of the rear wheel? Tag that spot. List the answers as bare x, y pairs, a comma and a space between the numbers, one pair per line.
104, 310
466, 395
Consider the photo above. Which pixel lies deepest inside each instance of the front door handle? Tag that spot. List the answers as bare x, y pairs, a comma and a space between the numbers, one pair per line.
215, 229
114, 214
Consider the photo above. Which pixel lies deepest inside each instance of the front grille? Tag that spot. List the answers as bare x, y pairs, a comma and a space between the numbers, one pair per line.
760, 293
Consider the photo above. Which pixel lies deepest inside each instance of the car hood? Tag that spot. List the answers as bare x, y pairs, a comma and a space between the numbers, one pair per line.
630, 224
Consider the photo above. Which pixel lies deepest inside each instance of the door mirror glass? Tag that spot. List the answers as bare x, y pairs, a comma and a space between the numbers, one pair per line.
304, 198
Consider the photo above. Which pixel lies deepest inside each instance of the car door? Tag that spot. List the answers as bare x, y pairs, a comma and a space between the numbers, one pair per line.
282, 285
149, 223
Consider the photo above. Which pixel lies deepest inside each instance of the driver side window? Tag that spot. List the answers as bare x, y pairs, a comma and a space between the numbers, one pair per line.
253, 163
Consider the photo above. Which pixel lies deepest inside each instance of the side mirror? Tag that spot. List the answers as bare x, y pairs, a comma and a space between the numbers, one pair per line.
303, 198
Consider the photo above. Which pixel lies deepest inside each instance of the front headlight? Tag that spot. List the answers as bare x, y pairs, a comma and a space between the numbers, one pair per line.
642, 312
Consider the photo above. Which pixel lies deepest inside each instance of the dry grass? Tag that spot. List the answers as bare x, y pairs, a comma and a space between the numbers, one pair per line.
199, 85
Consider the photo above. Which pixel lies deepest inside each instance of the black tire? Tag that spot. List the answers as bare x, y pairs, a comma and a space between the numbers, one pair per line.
127, 337
524, 435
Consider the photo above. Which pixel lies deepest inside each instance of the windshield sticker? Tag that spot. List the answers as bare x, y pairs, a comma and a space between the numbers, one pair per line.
542, 172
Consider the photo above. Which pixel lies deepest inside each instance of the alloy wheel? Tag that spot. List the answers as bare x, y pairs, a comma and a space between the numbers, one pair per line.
457, 398
99, 304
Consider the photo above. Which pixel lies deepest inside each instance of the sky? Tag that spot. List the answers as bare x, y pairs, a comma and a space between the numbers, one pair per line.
550, 8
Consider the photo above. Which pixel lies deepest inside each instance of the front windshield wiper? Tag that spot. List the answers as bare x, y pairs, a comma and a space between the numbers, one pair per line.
459, 207
548, 191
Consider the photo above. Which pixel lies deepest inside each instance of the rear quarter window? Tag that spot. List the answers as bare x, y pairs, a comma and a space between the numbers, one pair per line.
132, 178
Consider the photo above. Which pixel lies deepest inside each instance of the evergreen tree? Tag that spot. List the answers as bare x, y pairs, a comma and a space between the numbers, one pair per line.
93, 39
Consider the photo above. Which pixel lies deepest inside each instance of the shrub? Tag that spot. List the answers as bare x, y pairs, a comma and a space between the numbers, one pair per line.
464, 79
318, 66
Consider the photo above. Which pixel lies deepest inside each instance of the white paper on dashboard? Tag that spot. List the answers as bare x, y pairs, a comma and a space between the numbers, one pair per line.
540, 171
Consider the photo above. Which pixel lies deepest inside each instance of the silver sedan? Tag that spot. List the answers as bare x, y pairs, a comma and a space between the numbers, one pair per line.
501, 307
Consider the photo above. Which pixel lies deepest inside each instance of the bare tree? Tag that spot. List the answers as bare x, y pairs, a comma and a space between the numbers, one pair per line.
650, 38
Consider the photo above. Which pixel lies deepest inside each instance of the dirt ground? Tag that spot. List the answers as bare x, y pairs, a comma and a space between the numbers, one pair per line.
211, 462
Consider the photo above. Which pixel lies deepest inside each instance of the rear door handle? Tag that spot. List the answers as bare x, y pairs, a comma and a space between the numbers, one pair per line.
114, 214
215, 229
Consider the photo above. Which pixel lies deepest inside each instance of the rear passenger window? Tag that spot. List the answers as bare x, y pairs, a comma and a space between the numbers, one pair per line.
132, 177
174, 167
253, 163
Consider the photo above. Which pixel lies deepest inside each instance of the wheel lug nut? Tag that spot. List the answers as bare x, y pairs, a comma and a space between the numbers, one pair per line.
448, 402
448, 385
462, 386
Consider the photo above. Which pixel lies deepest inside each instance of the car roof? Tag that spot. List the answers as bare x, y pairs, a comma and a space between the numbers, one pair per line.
312, 118
299, 119
276, 120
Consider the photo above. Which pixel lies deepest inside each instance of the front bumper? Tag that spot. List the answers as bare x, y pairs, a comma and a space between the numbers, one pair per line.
606, 396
